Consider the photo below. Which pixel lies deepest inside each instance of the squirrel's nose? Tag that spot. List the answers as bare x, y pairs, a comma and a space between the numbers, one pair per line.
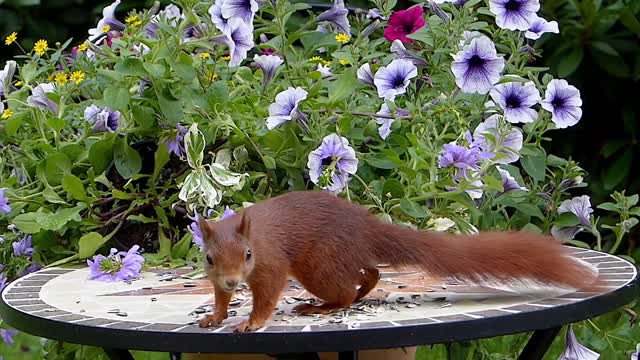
231, 283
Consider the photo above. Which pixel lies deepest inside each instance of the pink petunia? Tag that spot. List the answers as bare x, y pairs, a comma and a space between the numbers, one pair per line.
404, 22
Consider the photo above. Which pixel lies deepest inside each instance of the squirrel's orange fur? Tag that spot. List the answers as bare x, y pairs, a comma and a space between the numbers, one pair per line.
332, 247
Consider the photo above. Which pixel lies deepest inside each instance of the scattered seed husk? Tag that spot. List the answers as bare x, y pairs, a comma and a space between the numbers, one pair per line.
411, 306
123, 314
113, 311
154, 299
189, 284
235, 302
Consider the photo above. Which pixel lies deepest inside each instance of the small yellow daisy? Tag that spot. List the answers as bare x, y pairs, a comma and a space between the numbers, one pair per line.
82, 47
342, 38
61, 78
315, 59
50, 78
211, 75
326, 62
19, 83
137, 23
7, 113
106, 29
11, 38
77, 76
343, 62
40, 47
226, 58
205, 55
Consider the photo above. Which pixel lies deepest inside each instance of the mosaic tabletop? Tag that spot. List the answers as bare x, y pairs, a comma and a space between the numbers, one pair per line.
159, 310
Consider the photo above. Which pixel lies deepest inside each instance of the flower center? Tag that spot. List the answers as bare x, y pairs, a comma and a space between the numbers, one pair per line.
109, 266
408, 27
513, 101
476, 61
557, 102
512, 5
398, 81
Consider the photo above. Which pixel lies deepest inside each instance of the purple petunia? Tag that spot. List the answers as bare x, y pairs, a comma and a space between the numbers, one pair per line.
6, 75
393, 79
505, 142
31, 268
541, 26
564, 102
198, 238
580, 207
7, 335
509, 183
102, 119
117, 266
4, 203
23, 247
242, 9
228, 212
400, 52
337, 15
218, 20
3, 281
175, 144
477, 67
514, 14
39, 99
516, 100
375, 13
239, 39
285, 108
269, 65
385, 123
365, 74
331, 163
576, 351
108, 19
461, 157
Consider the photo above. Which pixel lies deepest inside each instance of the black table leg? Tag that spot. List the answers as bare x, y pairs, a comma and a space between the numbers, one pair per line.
539, 343
118, 354
348, 355
175, 356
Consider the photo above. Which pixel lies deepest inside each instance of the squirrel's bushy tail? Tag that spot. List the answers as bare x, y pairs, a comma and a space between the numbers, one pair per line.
488, 256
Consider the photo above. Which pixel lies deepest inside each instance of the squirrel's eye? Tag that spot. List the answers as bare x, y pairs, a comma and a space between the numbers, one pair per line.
209, 259
248, 254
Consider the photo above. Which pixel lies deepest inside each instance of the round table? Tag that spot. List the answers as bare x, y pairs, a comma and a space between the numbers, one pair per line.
158, 311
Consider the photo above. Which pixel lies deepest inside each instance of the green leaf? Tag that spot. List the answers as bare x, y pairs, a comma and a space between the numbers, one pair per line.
394, 188
570, 62
579, 244
184, 67
567, 219
218, 93
165, 243
269, 162
57, 166
617, 171
412, 208
56, 124
73, 185
126, 159
28, 71
161, 158
553, 160
155, 70
604, 48
628, 19
131, 67
101, 154
143, 219
27, 223
529, 209
89, 244
144, 117
181, 248
534, 165
384, 161
423, 35
116, 98
51, 196
343, 87
170, 106
609, 206
532, 228
56, 221
635, 211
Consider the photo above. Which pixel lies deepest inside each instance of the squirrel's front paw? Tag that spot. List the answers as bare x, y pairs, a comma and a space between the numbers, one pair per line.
210, 320
247, 326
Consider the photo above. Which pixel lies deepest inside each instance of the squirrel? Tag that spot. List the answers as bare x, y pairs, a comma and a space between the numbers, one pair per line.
333, 246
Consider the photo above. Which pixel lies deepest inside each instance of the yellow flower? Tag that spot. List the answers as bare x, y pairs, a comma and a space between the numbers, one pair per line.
343, 62
77, 76
226, 58
316, 59
61, 78
11, 38
342, 38
137, 23
82, 47
19, 83
131, 19
106, 29
205, 55
211, 75
50, 78
7, 113
40, 47
326, 62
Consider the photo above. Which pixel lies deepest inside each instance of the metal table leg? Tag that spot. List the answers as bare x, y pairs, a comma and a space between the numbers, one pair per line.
175, 356
348, 355
539, 343
118, 354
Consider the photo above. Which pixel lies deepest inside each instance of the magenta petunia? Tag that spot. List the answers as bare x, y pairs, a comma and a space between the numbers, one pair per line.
404, 22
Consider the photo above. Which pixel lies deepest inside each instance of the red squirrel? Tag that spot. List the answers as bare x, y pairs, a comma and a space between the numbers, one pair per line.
332, 247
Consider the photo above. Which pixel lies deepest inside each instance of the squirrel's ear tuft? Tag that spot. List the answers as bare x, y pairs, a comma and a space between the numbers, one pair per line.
245, 224
205, 228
